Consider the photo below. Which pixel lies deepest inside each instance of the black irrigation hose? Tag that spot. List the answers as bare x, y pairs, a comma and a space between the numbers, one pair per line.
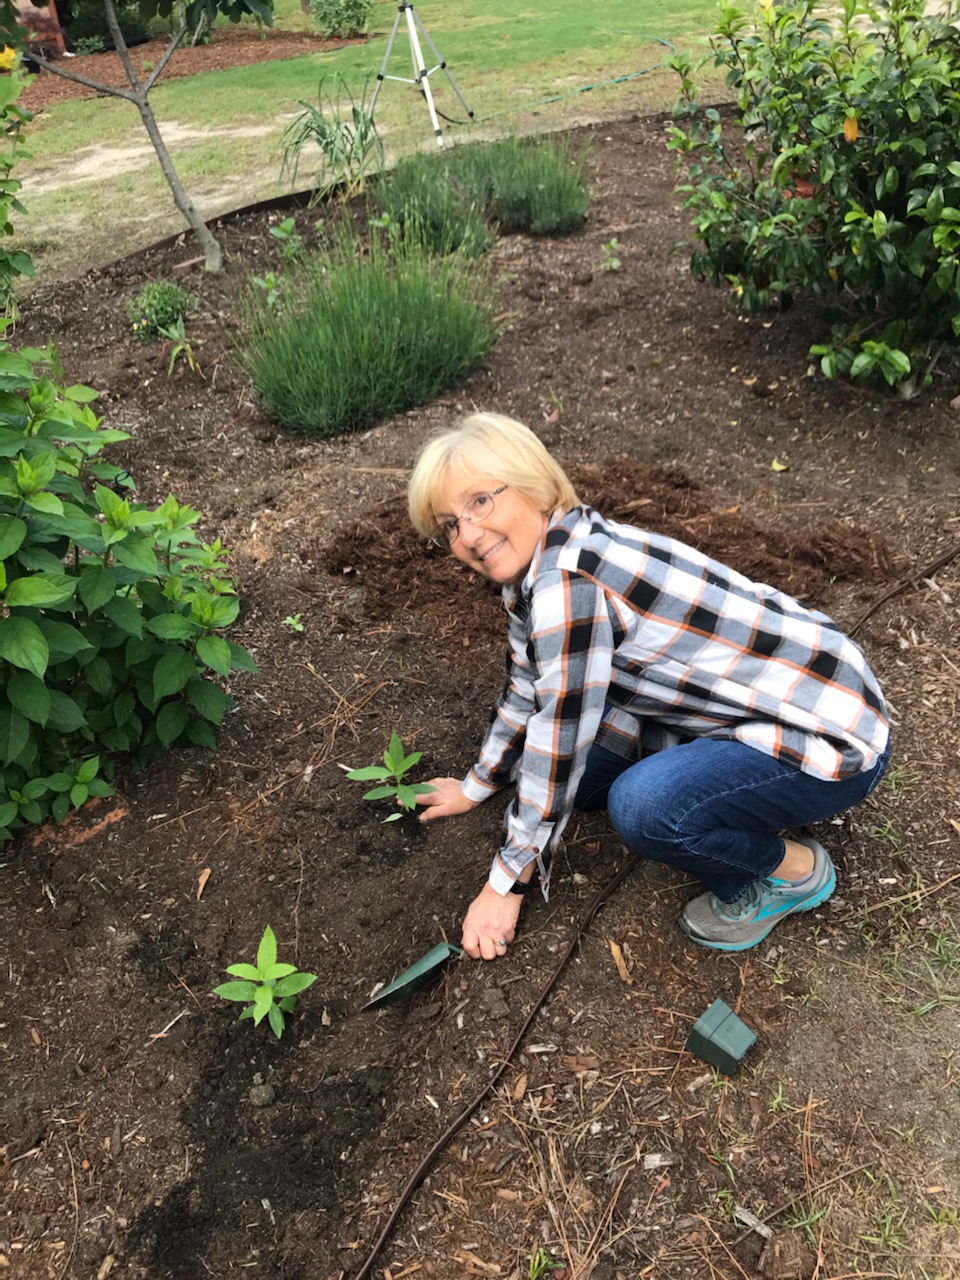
455, 1125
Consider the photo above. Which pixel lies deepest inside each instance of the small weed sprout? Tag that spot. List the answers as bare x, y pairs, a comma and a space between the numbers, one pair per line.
181, 347
270, 284
289, 240
395, 766
541, 1264
293, 622
610, 261
268, 989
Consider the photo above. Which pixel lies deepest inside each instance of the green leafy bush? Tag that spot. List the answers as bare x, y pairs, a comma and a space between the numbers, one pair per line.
86, 20
342, 17
14, 263
525, 184
355, 336
158, 306
110, 611
89, 44
420, 195
848, 185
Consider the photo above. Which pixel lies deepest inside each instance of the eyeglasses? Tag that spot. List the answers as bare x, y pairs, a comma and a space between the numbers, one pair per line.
477, 509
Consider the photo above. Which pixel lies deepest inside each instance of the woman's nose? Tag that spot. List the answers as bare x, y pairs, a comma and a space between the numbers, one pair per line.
470, 534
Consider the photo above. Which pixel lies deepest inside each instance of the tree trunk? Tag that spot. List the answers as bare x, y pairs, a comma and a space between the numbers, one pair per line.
139, 93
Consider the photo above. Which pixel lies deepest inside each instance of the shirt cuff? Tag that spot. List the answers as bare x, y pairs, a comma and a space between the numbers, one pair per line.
475, 790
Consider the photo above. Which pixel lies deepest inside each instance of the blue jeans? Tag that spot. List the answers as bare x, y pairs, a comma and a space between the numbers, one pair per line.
714, 807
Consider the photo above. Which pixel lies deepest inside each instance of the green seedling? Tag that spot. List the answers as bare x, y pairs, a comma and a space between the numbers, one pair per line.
270, 284
541, 1264
395, 766
270, 988
293, 621
175, 332
610, 261
289, 241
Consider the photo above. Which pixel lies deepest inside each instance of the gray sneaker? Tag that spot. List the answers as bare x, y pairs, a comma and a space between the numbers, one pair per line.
736, 926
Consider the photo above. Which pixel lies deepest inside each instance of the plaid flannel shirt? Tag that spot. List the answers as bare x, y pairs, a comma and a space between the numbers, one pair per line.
636, 641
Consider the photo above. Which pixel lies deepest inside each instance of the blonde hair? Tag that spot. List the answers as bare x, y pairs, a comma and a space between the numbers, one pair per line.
489, 446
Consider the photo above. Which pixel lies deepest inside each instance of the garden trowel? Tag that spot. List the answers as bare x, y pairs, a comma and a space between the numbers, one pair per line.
417, 976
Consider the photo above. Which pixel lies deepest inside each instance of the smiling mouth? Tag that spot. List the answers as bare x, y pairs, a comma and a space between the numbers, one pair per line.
492, 550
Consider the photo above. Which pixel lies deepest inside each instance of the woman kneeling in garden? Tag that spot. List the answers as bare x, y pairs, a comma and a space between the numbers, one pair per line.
708, 713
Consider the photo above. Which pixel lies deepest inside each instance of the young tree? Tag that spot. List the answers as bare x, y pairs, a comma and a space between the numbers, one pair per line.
139, 91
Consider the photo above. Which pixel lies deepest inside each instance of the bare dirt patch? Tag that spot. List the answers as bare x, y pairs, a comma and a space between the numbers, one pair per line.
134, 1148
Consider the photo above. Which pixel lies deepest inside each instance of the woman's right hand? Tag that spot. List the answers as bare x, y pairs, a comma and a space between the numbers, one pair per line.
445, 801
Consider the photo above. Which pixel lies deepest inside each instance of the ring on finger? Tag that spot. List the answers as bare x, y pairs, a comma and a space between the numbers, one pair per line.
501, 943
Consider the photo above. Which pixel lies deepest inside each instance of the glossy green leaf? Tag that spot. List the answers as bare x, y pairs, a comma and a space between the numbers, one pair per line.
171, 722
23, 644
209, 700
172, 626
275, 1018
214, 653
244, 971
172, 672
14, 735
296, 983
12, 533
40, 590
29, 695
236, 990
267, 950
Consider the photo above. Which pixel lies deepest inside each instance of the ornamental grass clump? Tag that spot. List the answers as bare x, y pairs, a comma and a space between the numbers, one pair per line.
360, 333
537, 185
847, 186
422, 197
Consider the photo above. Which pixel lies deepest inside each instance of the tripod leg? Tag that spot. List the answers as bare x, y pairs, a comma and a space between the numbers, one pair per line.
441, 65
423, 78
386, 58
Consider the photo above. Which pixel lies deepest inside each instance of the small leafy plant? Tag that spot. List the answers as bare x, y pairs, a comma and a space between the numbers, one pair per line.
158, 306
293, 621
541, 1264
181, 347
395, 766
270, 285
288, 238
609, 261
270, 988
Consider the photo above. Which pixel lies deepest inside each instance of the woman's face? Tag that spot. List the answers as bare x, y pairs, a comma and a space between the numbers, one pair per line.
500, 546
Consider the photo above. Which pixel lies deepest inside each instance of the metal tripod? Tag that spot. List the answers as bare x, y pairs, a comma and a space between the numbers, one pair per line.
421, 80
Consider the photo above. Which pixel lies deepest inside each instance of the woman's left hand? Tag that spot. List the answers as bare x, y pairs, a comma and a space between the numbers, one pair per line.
490, 923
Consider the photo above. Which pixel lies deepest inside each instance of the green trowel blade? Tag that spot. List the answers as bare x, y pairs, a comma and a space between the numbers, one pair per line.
417, 976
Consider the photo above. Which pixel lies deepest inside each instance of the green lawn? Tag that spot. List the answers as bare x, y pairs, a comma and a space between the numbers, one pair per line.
517, 70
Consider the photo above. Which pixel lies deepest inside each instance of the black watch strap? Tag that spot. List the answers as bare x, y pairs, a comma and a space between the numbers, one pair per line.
519, 887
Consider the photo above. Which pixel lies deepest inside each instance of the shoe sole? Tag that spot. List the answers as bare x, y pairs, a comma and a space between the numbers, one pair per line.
818, 899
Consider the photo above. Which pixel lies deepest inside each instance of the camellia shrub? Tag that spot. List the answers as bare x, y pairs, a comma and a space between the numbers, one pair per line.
342, 17
844, 180
110, 611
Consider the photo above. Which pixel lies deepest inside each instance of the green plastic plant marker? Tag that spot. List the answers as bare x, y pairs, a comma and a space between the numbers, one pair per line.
720, 1038
417, 976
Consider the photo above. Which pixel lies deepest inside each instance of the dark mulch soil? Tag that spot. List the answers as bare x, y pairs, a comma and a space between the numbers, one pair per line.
135, 1146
